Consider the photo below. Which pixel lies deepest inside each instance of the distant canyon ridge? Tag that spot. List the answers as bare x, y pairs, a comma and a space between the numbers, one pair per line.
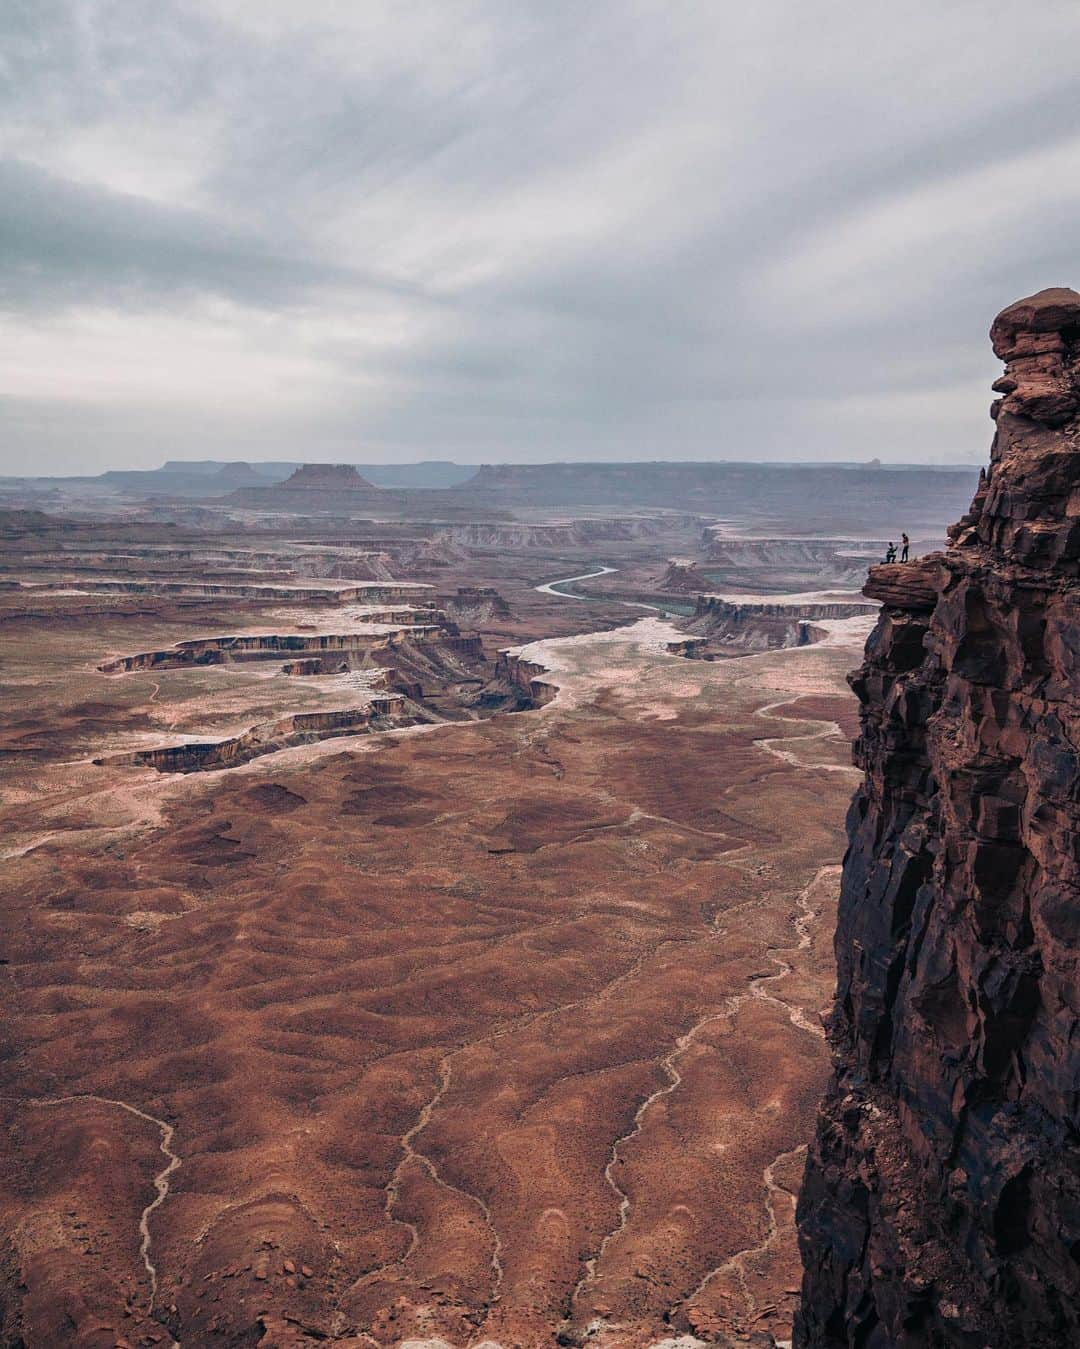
811, 498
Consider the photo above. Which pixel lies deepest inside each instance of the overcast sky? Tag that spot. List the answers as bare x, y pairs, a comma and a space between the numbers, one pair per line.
491, 230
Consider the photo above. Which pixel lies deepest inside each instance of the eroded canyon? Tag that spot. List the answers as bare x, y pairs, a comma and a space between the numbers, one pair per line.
401, 949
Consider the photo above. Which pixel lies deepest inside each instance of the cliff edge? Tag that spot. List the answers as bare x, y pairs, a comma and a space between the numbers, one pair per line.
941, 1205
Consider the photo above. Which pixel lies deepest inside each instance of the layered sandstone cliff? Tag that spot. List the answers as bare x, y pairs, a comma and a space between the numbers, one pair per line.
720, 627
941, 1205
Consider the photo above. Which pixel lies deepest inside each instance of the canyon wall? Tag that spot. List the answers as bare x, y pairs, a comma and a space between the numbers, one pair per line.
302, 728
941, 1205
443, 678
720, 626
418, 632
370, 592
737, 613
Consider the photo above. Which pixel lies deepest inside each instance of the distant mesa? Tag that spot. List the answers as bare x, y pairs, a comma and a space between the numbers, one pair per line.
327, 478
340, 490
316, 487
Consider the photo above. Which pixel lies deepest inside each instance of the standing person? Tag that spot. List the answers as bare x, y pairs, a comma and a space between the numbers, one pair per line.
904, 545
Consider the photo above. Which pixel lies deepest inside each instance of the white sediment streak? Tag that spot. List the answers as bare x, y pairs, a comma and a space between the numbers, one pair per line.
161, 1180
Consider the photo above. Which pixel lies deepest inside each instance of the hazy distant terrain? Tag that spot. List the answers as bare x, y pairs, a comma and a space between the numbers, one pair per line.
792, 498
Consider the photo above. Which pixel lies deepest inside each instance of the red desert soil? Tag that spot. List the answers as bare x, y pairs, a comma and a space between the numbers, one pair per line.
490, 1033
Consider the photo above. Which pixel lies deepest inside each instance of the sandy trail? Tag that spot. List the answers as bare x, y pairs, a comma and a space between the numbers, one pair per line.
668, 1065
738, 1261
161, 1180
805, 917
829, 730
393, 1189
445, 1074
771, 1189
728, 1011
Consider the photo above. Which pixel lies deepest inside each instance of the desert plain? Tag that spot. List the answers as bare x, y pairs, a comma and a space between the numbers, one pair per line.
402, 950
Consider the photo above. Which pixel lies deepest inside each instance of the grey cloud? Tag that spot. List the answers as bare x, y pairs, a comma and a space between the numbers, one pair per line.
63, 243
487, 228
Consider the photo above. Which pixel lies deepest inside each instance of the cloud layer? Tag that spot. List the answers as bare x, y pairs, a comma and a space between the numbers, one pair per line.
512, 230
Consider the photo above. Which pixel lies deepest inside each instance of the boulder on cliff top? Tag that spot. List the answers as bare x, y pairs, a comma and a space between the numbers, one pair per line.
1047, 311
1025, 510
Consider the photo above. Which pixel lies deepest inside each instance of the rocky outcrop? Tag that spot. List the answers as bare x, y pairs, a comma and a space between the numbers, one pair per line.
683, 577
145, 567
905, 585
314, 488
941, 1205
314, 665
734, 612
721, 627
473, 605
514, 670
818, 554
787, 564
426, 681
339, 490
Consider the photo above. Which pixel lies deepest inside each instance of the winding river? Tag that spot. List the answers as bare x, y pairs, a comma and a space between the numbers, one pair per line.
555, 588
552, 587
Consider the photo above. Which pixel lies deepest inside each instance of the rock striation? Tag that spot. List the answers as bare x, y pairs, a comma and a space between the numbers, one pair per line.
941, 1205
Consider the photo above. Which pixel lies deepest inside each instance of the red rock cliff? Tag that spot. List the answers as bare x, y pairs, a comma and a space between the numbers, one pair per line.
942, 1200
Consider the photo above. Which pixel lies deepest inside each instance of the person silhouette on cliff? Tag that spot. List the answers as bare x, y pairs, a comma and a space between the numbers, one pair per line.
890, 552
905, 543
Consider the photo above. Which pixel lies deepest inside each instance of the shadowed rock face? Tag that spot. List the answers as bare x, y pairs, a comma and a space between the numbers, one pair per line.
942, 1199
